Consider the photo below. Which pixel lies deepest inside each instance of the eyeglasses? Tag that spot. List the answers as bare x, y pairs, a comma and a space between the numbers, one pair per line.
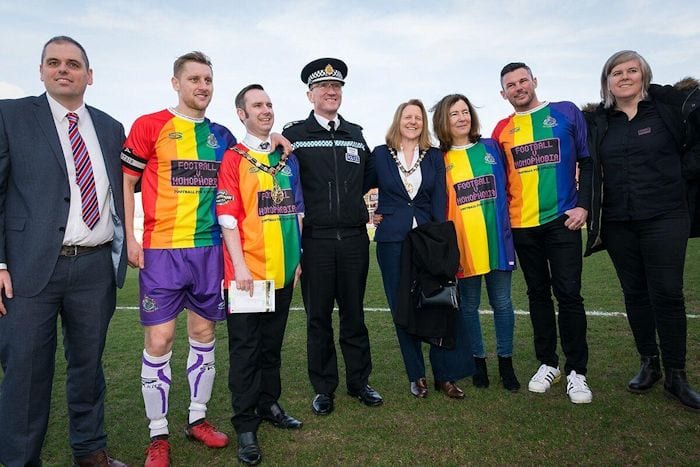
328, 85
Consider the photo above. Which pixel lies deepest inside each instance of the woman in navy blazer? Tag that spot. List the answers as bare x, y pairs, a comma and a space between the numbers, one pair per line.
411, 180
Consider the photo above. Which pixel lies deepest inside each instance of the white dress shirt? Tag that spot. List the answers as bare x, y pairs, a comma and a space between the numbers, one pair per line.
77, 232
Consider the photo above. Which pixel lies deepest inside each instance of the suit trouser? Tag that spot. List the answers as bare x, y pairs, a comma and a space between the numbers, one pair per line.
649, 257
255, 345
82, 290
336, 270
551, 260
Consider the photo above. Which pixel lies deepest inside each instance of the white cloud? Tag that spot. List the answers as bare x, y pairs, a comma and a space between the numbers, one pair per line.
10, 91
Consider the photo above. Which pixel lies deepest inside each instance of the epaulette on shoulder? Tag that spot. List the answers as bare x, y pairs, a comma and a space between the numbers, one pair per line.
291, 124
353, 124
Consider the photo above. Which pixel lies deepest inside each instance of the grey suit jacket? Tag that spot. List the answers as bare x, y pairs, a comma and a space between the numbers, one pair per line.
35, 195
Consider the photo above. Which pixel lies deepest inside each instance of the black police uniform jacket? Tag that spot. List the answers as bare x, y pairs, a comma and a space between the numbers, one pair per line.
337, 169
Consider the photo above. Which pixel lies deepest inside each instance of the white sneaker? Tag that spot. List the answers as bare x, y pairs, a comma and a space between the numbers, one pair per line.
577, 389
544, 378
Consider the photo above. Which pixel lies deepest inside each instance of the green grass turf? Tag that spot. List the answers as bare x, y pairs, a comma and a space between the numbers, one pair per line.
491, 426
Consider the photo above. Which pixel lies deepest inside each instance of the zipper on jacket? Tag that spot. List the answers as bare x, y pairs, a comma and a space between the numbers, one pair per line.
330, 197
337, 179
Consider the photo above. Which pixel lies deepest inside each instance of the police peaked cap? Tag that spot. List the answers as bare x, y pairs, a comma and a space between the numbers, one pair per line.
324, 69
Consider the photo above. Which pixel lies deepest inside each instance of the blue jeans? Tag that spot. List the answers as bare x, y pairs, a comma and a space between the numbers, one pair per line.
448, 365
498, 288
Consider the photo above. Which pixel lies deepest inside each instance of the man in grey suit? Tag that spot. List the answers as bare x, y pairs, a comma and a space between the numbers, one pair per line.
61, 253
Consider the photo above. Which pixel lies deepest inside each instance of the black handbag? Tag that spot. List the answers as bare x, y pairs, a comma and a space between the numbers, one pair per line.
444, 298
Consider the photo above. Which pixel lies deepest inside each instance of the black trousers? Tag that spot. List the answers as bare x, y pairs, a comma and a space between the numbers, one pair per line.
254, 347
551, 259
649, 257
336, 270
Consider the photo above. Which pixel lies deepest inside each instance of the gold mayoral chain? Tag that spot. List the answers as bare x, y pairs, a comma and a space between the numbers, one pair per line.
406, 173
277, 193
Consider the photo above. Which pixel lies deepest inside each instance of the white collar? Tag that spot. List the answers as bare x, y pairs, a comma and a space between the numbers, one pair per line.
59, 112
181, 115
253, 142
323, 121
539, 107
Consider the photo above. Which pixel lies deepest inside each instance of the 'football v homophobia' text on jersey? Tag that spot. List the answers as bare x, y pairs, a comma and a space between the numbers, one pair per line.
477, 204
178, 159
541, 148
266, 209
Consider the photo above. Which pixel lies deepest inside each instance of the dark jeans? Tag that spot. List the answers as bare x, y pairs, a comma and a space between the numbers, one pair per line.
335, 270
82, 291
448, 365
649, 257
550, 257
255, 344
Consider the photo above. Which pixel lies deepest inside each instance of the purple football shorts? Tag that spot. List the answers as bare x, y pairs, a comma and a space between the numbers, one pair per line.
179, 278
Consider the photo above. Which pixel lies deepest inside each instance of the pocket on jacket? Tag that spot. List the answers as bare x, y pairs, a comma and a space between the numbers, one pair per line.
15, 223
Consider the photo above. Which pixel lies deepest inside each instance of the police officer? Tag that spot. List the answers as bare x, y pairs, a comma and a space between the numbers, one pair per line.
336, 171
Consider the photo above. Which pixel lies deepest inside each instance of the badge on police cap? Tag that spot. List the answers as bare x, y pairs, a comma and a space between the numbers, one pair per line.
324, 69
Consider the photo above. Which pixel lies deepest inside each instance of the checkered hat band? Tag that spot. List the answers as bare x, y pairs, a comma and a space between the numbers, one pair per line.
321, 75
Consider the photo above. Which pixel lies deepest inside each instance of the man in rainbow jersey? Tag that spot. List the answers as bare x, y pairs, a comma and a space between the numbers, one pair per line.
543, 143
175, 154
260, 207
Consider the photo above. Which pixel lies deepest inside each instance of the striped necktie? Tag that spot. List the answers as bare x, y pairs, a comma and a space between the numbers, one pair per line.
83, 173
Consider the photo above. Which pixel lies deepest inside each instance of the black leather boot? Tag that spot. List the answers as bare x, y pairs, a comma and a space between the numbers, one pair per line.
507, 374
676, 386
481, 374
248, 449
649, 374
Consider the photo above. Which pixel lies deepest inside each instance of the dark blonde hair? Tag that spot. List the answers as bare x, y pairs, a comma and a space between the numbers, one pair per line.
194, 56
393, 135
614, 60
441, 120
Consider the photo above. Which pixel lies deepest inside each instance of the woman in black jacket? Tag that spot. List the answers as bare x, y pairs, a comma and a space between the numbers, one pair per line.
641, 146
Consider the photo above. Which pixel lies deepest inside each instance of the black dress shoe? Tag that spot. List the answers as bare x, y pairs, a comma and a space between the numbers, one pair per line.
367, 396
322, 404
248, 449
676, 386
649, 374
279, 418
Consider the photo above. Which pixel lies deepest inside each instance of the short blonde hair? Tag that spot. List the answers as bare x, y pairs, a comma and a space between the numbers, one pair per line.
393, 135
614, 60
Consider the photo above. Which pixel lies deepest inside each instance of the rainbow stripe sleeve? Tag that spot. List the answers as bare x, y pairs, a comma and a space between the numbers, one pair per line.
178, 160
541, 149
477, 204
267, 218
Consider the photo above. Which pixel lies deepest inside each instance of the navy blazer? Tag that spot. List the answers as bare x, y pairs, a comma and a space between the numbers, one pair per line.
394, 204
35, 195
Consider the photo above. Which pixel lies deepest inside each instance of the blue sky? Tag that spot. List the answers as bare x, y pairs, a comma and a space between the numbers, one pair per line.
395, 50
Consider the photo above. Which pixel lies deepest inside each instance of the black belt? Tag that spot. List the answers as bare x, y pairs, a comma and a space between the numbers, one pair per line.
77, 250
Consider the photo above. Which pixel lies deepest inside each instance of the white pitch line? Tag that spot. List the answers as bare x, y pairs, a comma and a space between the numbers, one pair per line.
607, 314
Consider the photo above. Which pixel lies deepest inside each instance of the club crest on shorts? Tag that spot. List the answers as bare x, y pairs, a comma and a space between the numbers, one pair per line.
149, 304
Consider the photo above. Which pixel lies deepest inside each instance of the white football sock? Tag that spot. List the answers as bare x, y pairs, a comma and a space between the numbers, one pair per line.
155, 386
200, 375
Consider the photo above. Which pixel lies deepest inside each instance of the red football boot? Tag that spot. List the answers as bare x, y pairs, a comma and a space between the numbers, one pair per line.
158, 454
207, 435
